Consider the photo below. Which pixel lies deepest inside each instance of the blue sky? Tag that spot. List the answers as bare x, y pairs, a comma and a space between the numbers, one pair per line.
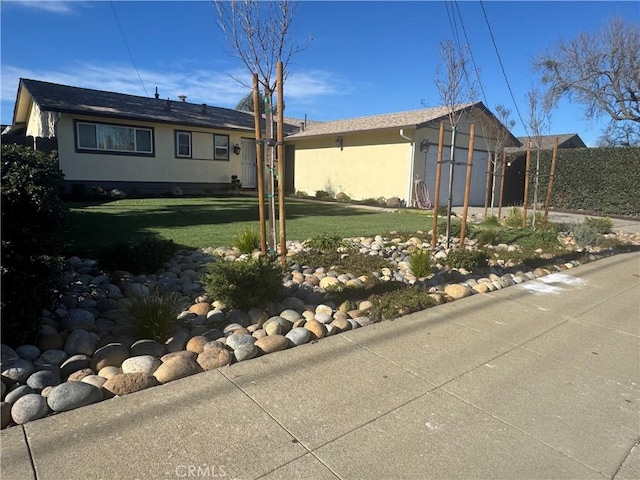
364, 57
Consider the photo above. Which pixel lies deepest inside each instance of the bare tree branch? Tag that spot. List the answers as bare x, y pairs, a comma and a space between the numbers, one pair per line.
258, 34
601, 71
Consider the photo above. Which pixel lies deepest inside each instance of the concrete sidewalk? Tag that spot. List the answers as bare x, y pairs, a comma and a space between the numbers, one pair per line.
535, 381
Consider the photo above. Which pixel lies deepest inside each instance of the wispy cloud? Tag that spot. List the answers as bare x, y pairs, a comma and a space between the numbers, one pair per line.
52, 6
199, 85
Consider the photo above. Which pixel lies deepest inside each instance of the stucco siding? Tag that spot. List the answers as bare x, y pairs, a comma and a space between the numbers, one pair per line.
163, 166
365, 167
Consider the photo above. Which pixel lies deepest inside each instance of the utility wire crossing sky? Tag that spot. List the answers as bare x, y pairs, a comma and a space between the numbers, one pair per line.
357, 58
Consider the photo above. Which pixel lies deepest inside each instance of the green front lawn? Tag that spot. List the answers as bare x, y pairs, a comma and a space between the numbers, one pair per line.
213, 222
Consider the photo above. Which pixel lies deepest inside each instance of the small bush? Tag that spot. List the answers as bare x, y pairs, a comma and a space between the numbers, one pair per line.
145, 256
403, 301
488, 235
467, 259
236, 184
456, 228
601, 225
326, 242
420, 263
356, 264
514, 218
248, 240
33, 239
491, 220
323, 195
154, 316
539, 216
301, 194
245, 283
584, 235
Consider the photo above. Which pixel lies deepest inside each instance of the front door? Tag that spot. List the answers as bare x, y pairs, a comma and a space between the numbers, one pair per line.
248, 163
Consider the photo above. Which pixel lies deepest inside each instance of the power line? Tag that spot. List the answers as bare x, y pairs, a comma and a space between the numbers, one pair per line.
475, 68
128, 50
456, 36
504, 73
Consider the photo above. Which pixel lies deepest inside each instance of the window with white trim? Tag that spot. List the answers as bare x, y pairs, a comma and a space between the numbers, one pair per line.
183, 144
103, 137
221, 147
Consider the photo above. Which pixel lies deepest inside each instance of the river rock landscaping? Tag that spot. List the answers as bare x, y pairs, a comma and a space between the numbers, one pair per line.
84, 353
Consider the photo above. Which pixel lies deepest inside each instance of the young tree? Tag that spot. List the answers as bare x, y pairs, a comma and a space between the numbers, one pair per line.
539, 114
258, 34
500, 135
454, 86
600, 71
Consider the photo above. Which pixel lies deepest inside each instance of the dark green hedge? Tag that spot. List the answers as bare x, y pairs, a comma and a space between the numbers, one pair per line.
603, 180
33, 229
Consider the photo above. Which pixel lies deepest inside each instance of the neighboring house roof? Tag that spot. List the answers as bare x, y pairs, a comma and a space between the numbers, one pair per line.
566, 140
67, 99
408, 119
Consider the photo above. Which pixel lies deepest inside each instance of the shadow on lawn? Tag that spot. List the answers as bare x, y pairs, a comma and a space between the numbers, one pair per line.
132, 220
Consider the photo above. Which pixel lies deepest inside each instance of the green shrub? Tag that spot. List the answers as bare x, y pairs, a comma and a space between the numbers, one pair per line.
144, 256
301, 194
248, 240
601, 225
154, 316
245, 283
456, 228
487, 235
326, 242
354, 263
467, 259
491, 220
355, 293
236, 184
402, 301
514, 218
539, 216
443, 211
33, 239
420, 263
323, 195
584, 235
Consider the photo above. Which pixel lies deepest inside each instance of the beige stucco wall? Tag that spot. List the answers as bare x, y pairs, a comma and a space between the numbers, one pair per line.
369, 165
162, 167
384, 164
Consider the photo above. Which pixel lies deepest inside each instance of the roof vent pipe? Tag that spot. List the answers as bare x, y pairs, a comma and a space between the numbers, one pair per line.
157, 95
183, 98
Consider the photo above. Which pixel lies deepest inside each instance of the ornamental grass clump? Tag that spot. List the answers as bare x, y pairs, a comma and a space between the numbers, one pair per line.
585, 235
514, 218
326, 242
244, 284
601, 225
420, 263
154, 316
247, 240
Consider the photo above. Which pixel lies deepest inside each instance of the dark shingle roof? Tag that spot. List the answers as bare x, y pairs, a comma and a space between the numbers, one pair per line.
68, 99
566, 140
407, 119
